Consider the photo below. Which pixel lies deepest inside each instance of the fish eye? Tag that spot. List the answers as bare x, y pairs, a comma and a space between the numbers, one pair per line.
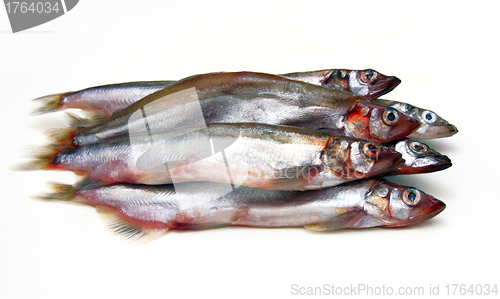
367, 76
429, 116
390, 116
370, 150
418, 147
411, 197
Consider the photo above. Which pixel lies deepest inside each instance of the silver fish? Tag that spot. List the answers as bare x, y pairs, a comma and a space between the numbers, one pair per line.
256, 98
252, 155
141, 213
109, 99
112, 98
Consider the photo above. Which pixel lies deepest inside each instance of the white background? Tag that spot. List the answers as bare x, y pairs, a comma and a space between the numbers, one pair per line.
445, 52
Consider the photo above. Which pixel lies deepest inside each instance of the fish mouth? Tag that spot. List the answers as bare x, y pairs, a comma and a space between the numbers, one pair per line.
438, 130
431, 168
384, 86
432, 212
424, 214
452, 129
416, 170
393, 82
442, 162
404, 127
439, 162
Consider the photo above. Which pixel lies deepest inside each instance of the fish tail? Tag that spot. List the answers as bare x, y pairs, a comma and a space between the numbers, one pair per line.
46, 158
65, 136
60, 192
61, 137
77, 122
49, 103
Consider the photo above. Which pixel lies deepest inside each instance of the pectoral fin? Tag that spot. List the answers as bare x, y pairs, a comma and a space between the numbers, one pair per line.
126, 231
293, 178
345, 220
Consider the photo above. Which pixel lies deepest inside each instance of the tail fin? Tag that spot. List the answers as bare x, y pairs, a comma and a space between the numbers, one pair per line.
61, 137
49, 103
78, 122
65, 136
59, 192
45, 159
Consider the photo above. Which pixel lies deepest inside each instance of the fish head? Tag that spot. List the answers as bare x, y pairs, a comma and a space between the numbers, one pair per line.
356, 159
431, 125
393, 205
366, 83
419, 158
377, 123
379, 84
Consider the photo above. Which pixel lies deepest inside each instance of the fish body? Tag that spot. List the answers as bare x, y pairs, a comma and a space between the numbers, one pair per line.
252, 155
140, 210
253, 98
112, 98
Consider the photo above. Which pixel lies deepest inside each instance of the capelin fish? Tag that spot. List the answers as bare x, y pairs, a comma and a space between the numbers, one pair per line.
432, 126
250, 98
112, 98
419, 158
252, 155
368, 83
141, 213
